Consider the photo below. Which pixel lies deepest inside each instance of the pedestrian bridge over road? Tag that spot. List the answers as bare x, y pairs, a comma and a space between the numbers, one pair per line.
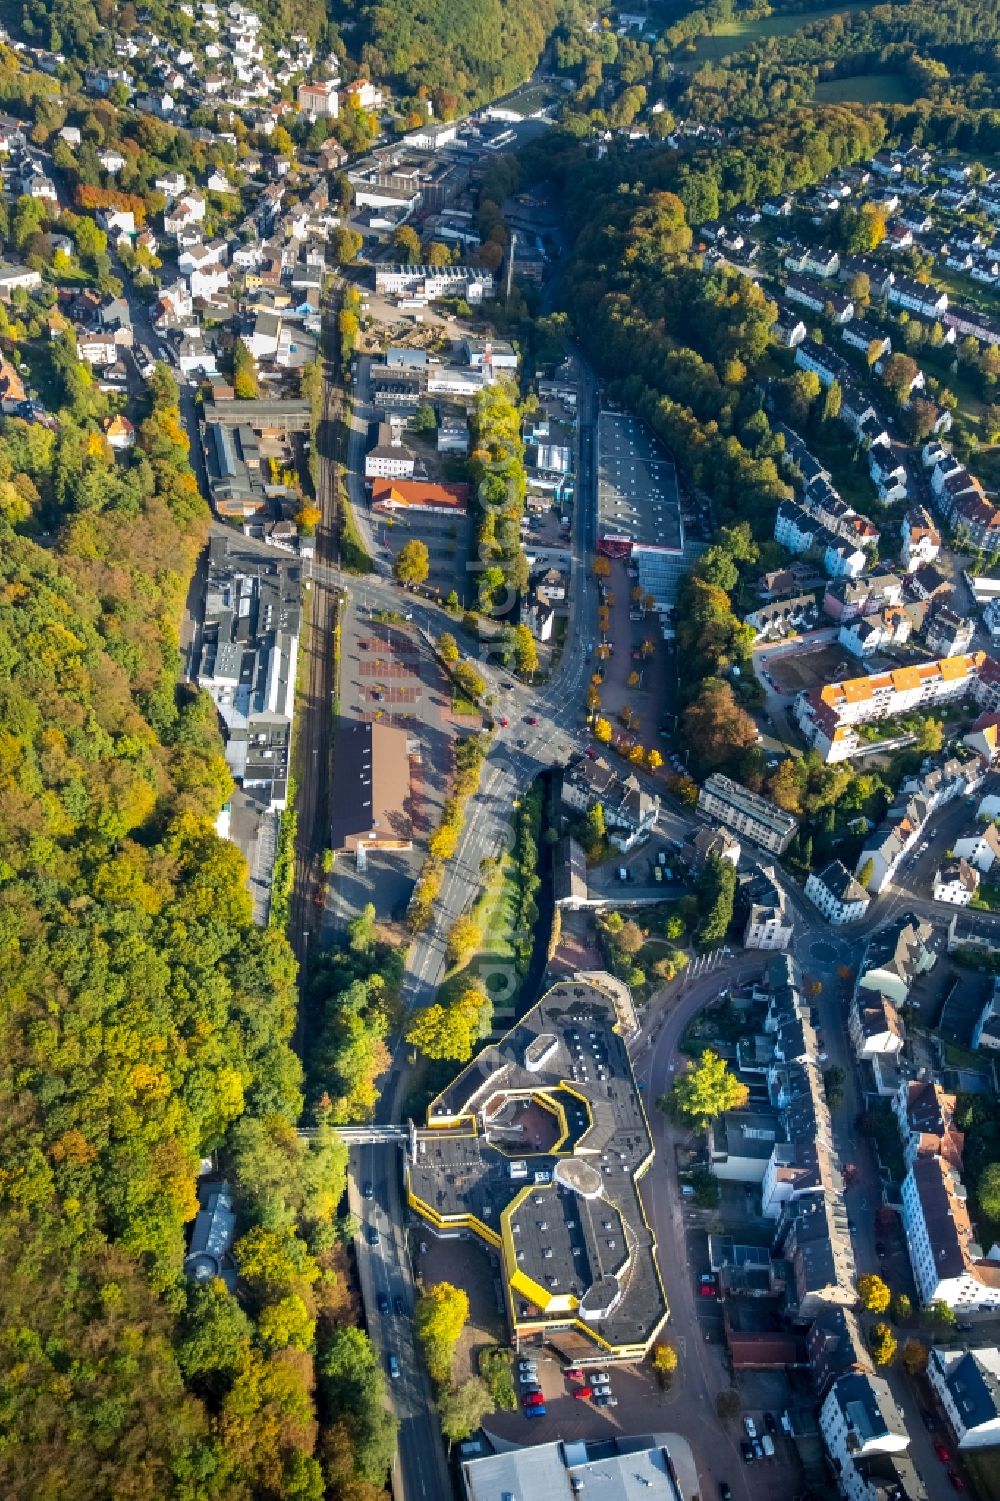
362, 1136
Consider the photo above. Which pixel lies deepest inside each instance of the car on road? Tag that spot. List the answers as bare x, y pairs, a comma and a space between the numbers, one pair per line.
746, 1449
393, 1367
751, 1427
582, 1393
535, 1412
368, 1191
942, 1451
399, 1307
372, 1235
383, 1303
957, 1482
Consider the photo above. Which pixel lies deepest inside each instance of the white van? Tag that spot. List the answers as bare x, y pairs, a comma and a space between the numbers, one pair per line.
768, 1444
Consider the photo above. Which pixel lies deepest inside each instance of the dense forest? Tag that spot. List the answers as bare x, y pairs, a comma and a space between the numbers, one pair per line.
146, 1021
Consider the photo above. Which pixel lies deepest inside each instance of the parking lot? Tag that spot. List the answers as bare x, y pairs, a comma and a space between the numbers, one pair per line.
447, 539
387, 674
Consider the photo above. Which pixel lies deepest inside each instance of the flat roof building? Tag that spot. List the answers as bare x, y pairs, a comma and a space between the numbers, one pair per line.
747, 812
537, 1148
372, 788
656, 1467
638, 503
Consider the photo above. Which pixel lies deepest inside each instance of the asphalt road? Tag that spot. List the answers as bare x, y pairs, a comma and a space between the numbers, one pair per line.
421, 1467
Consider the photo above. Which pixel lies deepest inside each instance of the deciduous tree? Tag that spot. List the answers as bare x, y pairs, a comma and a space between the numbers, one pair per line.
705, 1090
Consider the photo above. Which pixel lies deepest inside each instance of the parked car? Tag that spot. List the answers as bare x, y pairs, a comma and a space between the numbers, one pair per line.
957, 1482
942, 1451
746, 1449
602, 1399
927, 1418
583, 1393
725, 1493
372, 1235
383, 1303
527, 1378
767, 1444
368, 1191
532, 1399
707, 1285
880, 1250
599, 1378
751, 1427
769, 1422
527, 1365
758, 1449
399, 1308
393, 1367
535, 1412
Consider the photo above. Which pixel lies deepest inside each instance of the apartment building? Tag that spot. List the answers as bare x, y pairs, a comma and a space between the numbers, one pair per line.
747, 813
860, 1422
948, 1262
967, 1385
837, 894
828, 717
877, 1036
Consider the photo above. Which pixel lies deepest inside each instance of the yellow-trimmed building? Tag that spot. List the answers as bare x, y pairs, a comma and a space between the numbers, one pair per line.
537, 1148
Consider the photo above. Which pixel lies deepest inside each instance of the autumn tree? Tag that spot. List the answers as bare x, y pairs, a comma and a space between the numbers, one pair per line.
664, 1361
464, 938
705, 1090
406, 242
451, 1029
525, 651
873, 1292
440, 1315
882, 1343
347, 245
915, 1356
412, 563
603, 731
462, 1408
715, 727
447, 648
244, 373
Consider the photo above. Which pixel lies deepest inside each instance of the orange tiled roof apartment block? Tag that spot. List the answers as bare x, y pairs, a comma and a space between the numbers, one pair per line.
828, 716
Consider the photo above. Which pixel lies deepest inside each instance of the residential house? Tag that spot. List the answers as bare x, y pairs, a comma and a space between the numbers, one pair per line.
948, 634
768, 916
967, 1386
837, 894
850, 599
15, 277
981, 848
925, 1116
812, 260
916, 297
788, 329
921, 540
388, 457
895, 957
119, 432
869, 339
955, 882
877, 1035
319, 100
707, 842
984, 739
860, 1423
986, 1032
870, 634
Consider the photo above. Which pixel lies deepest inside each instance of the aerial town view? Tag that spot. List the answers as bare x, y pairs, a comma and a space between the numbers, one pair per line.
499, 750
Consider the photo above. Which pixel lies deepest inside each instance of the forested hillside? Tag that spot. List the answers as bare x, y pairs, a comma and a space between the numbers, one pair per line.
145, 1021
465, 52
